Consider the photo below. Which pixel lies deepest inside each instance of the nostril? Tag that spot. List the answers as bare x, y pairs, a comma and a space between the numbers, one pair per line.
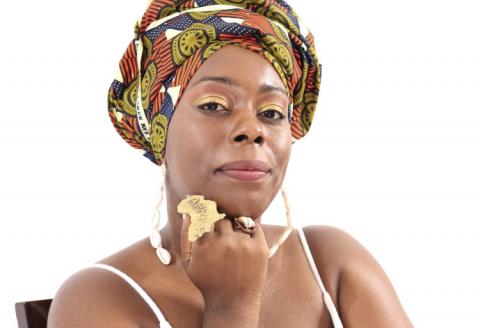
259, 140
240, 138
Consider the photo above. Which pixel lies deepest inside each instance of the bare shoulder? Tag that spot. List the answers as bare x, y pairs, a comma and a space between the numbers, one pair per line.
362, 291
96, 298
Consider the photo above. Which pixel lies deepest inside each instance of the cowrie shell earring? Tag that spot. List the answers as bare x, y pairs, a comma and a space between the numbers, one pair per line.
155, 237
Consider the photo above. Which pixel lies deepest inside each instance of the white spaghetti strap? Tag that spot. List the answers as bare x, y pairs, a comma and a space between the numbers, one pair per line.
139, 289
326, 296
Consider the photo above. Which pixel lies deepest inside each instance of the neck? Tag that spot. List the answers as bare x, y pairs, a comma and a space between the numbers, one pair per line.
171, 232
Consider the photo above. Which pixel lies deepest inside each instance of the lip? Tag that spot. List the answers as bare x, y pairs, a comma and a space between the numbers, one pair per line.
245, 170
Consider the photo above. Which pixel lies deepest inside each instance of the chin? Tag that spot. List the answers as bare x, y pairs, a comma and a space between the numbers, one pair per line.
250, 206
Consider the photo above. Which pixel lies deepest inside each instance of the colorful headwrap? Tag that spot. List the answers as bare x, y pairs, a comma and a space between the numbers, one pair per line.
172, 40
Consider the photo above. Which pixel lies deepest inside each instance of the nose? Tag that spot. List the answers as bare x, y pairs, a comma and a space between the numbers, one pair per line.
246, 130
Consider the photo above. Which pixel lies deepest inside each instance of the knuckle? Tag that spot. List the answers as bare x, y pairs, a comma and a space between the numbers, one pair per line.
228, 244
265, 252
221, 224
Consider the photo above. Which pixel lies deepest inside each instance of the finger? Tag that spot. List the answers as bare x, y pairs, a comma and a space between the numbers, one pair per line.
185, 244
259, 235
204, 239
224, 227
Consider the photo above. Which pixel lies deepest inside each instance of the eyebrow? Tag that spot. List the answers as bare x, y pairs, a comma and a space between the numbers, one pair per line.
264, 88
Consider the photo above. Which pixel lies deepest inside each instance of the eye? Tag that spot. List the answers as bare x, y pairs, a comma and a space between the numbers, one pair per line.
210, 106
273, 114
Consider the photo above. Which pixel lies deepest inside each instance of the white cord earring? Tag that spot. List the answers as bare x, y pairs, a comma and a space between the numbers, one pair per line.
155, 237
289, 228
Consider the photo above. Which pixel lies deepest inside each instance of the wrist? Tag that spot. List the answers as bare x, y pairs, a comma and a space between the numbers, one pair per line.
231, 314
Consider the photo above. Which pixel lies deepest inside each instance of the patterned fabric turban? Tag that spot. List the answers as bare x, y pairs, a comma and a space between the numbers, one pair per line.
172, 40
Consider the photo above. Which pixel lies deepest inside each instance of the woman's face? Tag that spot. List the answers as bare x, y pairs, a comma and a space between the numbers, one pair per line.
233, 109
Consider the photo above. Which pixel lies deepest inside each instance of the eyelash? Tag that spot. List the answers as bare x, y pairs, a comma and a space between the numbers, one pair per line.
202, 106
282, 116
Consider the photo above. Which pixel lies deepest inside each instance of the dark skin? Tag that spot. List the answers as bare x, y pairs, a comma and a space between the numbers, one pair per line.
245, 288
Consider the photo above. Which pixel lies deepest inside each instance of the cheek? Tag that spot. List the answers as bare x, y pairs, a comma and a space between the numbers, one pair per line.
190, 148
183, 137
281, 147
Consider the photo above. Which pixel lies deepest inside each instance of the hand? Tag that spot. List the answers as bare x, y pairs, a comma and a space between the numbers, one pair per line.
229, 267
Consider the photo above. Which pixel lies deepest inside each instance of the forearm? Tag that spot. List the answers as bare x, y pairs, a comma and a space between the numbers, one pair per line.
239, 316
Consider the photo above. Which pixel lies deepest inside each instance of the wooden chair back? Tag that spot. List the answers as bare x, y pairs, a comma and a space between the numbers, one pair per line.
33, 314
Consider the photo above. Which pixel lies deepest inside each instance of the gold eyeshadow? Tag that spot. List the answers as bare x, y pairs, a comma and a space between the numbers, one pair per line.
205, 100
277, 108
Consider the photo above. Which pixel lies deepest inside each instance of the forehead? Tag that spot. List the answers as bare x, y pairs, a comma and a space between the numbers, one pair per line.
240, 65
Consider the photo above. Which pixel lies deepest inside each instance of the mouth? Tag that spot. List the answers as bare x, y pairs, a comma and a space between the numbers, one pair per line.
245, 170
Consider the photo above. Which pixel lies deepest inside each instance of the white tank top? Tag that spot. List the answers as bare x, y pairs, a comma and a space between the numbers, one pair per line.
164, 322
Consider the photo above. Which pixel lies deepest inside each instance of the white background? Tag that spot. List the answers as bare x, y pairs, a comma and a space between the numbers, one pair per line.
392, 157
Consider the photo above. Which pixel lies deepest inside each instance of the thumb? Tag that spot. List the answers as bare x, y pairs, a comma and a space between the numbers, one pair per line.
185, 244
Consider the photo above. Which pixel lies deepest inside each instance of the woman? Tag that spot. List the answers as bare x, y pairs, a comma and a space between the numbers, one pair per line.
241, 79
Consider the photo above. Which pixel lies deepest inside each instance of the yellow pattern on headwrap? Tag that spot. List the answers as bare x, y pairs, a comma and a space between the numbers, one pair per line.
159, 134
187, 42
